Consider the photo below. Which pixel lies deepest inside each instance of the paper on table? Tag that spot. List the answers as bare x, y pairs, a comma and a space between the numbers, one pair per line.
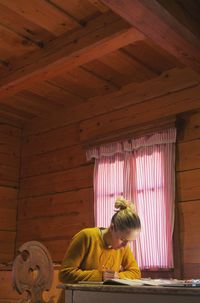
91, 282
147, 282
155, 282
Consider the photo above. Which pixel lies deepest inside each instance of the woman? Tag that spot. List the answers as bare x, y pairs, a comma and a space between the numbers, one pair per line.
97, 254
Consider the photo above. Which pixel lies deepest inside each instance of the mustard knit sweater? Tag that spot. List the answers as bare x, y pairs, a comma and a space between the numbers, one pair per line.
87, 257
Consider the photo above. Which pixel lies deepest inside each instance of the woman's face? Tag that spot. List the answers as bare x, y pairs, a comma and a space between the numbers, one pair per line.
121, 238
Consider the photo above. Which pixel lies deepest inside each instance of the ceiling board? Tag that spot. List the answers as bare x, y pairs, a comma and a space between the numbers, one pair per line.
81, 10
152, 56
42, 13
54, 93
22, 26
156, 22
57, 54
106, 32
84, 83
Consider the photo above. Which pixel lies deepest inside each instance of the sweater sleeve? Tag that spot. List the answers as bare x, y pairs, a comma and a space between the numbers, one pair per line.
70, 271
130, 267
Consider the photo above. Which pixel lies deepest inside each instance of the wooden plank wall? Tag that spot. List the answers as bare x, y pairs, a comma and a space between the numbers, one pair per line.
188, 187
56, 195
10, 141
56, 190
8, 295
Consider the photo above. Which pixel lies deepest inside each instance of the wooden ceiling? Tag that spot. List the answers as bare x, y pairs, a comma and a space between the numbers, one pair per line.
55, 54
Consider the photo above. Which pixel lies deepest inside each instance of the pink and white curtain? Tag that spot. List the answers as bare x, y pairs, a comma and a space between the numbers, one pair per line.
142, 170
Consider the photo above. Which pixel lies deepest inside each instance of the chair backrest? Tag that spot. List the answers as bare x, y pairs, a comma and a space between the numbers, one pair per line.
32, 271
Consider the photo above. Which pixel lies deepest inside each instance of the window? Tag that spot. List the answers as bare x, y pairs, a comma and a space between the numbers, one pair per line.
142, 170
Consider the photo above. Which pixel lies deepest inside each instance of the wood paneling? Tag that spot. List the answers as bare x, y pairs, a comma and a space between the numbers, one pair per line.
7, 219
99, 5
8, 295
59, 168
51, 69
7, 119
152, 56
190, 226
57, 204
62, 243
9, 137
10, 141
52, 161
56, 139
189, 155
12, 42
7, 240
188, 185
81, 11
172, 81
8, 197
188, 193
83, 83
55, 93
190, 128
71, 179
148, 111
56, 195
59, 195
9, 176
191, 271
68, 52
127, 66
53, 228
186, 12
157, 21
46, 15
56, 190
15, 112
9, 171
64, 52
23, 26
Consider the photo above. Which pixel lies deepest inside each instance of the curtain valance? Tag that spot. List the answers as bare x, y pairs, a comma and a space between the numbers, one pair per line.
164, 137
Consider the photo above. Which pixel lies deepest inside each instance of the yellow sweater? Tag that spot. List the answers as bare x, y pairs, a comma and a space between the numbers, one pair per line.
87, 257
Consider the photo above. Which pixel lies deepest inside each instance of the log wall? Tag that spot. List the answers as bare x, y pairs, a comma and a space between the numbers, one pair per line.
10, 142
56, 187
188, 194
56, 194
8, 295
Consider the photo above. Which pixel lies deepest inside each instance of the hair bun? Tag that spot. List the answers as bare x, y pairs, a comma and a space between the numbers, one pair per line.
122, 204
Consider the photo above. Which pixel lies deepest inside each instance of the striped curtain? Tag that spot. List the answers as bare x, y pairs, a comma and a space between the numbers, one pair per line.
141, 170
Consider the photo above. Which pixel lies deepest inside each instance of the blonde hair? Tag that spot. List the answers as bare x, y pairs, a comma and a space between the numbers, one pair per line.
125, 216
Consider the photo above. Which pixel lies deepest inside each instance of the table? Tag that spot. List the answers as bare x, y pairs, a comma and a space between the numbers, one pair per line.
95, 293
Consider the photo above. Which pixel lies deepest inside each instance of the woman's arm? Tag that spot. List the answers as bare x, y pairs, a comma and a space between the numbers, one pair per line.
70, 271
130, 267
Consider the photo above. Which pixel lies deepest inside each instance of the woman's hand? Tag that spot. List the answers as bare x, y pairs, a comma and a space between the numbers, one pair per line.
110, 274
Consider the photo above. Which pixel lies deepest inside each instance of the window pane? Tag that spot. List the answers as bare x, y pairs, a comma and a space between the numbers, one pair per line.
109, 185
145, 176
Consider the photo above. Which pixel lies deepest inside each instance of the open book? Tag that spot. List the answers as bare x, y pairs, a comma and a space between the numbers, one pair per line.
155, 282
148, 282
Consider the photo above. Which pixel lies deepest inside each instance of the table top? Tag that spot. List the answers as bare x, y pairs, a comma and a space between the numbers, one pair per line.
194, 291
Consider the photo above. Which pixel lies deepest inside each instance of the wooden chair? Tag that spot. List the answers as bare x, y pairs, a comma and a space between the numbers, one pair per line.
33, 272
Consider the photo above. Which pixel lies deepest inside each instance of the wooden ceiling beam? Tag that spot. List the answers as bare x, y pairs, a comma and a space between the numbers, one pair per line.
101, 36
154, 21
